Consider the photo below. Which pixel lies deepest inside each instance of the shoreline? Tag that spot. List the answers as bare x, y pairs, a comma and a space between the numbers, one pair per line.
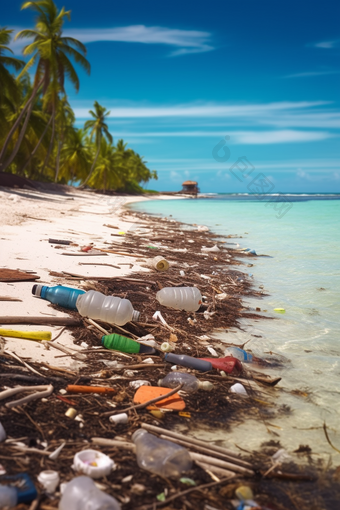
89, 213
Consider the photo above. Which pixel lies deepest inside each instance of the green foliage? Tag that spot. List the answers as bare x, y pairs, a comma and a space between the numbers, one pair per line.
38, 136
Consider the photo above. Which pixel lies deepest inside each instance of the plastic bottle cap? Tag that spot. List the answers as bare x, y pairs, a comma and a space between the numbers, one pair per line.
205, 385
49, 480
36, 290
93, 463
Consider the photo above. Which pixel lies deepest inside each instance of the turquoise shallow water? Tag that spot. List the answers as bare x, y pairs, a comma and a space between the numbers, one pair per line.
302, 275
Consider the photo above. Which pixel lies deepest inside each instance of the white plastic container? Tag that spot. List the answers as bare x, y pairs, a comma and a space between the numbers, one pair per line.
180, 298
49, 480
239, 389
110, 309
160, 456
82, 494
92, 463
119, 418
190, 383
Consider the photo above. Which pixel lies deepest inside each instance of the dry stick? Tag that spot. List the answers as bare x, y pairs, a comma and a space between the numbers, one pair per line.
145, 404
74, 254
61, 348
220, 463
97, 264
41, 391
217, 470
207, 451
102, 330
124, 445
23, 362
45, 321
212, 447
121, 253
183, 493
9, 298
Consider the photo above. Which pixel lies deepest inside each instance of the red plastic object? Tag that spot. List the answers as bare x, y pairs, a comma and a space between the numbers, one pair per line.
229, 364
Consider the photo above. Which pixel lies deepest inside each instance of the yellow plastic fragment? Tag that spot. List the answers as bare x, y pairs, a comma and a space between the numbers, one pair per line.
157, 414
28, 335
185, 415
279, 310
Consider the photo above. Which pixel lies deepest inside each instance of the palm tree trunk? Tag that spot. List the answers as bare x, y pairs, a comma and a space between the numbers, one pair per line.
92, 167
60, 144
17, 122
36, 147
19, 140
51, 141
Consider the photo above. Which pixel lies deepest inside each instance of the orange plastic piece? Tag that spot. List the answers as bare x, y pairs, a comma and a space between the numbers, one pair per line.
73, 388
145, 393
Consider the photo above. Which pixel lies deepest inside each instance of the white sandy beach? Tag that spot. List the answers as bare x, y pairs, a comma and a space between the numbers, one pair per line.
27, 220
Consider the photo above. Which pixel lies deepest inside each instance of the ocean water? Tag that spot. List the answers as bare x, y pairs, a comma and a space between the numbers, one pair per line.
301, 275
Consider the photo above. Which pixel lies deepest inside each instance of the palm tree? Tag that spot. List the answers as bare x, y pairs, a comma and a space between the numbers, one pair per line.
106, 174
9, 90
98, 128
8, 84
75, 156
51, 54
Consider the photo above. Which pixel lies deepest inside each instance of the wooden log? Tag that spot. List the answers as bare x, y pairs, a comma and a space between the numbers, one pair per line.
45, 321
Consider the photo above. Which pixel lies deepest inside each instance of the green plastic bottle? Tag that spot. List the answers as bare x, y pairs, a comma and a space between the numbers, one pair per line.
123, 344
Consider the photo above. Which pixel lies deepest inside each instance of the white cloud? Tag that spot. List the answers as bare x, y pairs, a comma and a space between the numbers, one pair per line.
188, 41
327, 44
311, 73
247, 111
241, 137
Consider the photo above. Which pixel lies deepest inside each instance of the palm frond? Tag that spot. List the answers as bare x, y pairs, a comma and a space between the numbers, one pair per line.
78, 57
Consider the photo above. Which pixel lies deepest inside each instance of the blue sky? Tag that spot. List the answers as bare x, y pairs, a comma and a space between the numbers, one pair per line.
179, 77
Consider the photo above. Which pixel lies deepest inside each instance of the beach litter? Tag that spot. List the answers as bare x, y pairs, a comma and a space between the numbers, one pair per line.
69, 409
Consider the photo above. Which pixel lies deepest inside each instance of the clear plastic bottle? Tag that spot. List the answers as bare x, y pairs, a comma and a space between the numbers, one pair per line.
59, 295
190, 383
124, 344
160, 456
110, 309
82, 494
8, 497
239, 354
180, 298
188, 361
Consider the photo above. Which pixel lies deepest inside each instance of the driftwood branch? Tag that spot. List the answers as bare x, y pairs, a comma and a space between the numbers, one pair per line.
45, 321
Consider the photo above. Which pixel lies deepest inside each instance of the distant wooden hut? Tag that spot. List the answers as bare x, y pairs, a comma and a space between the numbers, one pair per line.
190, 188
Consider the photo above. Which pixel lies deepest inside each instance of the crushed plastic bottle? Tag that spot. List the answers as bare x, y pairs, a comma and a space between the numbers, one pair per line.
58, 295
82, 494
239, 354
110, 309
180, 298
160, 456
190, 383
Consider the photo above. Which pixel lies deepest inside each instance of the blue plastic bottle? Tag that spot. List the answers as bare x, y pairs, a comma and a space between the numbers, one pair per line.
59, 295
